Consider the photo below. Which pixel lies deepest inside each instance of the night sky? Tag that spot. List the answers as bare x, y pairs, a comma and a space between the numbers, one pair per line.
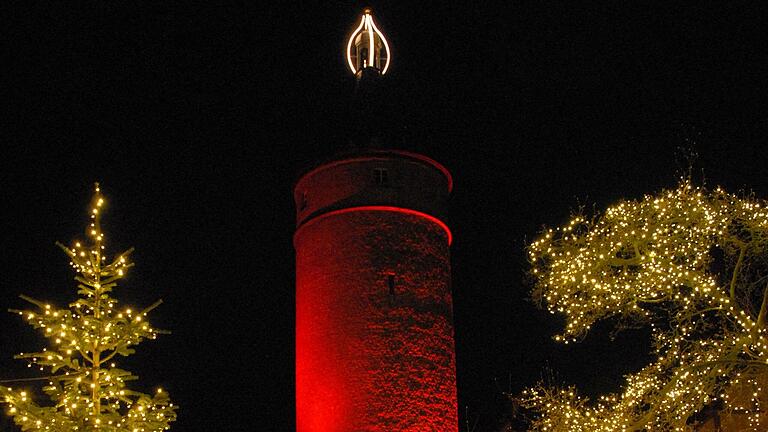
197, 121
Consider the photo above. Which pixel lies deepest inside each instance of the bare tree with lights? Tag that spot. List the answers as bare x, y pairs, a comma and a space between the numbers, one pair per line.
88, 390
692, 265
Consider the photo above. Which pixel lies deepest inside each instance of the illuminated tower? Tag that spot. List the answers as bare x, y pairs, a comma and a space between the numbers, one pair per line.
374, 331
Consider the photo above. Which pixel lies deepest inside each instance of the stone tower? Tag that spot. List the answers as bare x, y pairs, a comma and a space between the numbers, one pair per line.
374, 329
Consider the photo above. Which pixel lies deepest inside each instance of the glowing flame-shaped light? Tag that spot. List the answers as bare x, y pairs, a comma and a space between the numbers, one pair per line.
367, 47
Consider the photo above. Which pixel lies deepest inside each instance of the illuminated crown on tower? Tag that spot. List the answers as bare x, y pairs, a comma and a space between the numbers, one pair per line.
367, 48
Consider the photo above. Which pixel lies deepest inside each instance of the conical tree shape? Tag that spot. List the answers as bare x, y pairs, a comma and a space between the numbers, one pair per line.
88, 390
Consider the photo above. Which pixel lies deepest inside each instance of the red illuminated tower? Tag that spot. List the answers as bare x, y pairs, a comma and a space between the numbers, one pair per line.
374, 332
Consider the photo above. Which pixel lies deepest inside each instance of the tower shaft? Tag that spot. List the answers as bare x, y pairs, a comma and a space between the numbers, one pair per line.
374, 332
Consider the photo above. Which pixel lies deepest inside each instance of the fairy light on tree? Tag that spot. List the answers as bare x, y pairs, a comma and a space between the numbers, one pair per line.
86, 340
692, 265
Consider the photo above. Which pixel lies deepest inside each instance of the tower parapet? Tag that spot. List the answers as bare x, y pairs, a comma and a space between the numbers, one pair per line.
393, 178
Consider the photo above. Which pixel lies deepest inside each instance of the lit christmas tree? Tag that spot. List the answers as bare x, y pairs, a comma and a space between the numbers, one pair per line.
88, 390
692, 265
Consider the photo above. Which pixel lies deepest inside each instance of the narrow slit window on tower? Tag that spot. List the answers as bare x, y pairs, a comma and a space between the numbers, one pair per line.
381, 176
303, 201
391, 285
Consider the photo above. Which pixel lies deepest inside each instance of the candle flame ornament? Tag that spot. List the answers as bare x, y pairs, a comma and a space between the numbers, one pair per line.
367, 47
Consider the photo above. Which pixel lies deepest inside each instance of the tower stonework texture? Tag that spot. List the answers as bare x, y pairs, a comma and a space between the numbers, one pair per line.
374, 331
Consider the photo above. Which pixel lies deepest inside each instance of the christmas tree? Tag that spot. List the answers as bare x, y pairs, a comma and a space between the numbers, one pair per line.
85, 340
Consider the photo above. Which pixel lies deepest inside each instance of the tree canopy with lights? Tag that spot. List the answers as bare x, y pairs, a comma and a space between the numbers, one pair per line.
691, 264
86, 339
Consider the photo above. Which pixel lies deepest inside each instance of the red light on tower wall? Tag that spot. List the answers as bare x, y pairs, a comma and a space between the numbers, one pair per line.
374, 332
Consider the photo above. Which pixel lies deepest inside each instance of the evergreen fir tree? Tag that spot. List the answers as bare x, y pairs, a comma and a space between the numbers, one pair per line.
88, 390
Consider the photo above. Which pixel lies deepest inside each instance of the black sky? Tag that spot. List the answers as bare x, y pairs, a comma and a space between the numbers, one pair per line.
197, 121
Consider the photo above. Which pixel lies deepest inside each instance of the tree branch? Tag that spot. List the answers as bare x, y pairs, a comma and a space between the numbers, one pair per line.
85, 355
50, 377
110, 356
736, 268
763, 309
